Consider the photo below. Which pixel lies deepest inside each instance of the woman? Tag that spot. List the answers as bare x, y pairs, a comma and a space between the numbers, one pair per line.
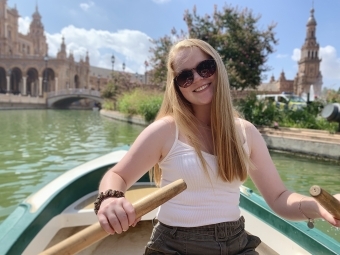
199, 137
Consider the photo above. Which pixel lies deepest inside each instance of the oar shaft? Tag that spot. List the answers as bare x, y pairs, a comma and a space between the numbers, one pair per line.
94, 233
330, 203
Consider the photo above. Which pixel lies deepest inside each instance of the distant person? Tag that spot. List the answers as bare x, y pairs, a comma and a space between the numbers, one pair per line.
199, 137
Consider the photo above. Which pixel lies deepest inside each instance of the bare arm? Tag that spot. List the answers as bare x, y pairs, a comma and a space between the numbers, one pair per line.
144, 153
117, 214
268, 181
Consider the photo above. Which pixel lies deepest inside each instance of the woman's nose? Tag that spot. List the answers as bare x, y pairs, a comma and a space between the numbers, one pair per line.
196, 75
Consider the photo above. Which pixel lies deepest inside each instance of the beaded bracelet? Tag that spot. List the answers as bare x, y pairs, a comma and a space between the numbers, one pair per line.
310, 222
102, 196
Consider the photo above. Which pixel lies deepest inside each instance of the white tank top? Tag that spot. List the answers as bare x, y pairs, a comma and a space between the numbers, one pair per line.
207, 200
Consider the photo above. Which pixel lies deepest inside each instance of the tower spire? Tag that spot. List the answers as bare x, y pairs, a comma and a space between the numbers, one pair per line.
309, 64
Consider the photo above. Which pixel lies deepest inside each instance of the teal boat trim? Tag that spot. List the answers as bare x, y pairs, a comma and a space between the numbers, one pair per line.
312, 240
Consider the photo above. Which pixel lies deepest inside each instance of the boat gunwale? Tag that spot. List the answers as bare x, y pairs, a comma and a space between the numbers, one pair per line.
312, 240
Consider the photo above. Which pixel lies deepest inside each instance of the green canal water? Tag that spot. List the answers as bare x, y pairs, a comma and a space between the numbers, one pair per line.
36, 146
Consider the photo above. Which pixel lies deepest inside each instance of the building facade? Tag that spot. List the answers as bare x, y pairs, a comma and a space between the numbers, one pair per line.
25, 67
308, 68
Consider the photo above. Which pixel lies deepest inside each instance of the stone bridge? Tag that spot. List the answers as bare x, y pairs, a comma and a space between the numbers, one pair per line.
64, 98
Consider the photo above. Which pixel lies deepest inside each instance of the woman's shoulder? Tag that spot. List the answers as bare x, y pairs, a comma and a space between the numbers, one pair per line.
164, 122
243, 124
163, 127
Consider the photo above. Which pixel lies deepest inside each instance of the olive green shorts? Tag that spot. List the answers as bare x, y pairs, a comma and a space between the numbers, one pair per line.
221, 238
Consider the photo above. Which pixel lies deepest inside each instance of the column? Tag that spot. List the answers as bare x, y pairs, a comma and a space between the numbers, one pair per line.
24, 86
40, 86
8, 84
56, 84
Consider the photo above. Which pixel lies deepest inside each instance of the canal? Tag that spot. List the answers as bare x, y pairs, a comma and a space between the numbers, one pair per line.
36, 146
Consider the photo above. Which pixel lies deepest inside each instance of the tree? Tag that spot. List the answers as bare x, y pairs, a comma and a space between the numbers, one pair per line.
109, 91
243, 47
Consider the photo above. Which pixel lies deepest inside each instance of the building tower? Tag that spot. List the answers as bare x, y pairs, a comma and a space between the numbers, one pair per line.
8, 29
37, 35
309, 65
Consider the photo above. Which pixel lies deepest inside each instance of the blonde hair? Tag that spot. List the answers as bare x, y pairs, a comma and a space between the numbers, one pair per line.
232, 160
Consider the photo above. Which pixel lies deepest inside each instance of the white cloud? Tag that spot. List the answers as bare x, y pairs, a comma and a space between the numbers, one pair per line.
330, 64
281, 55
129, 46
24, 25
86, 6
296, 55
161, 1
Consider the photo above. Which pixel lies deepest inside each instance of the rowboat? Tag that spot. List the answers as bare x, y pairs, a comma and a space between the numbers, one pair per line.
65, 206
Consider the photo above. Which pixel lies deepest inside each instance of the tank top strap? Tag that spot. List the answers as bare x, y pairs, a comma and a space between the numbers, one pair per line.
177, 131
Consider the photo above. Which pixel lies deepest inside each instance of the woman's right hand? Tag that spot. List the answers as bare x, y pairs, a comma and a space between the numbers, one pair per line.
116, 215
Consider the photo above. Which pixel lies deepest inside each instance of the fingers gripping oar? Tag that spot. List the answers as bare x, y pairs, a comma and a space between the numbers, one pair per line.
330, 203
94, 233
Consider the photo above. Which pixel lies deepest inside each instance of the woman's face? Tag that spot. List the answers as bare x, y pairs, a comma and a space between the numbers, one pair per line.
201, 91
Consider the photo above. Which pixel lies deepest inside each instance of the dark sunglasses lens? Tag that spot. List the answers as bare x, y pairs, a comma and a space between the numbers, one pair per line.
206, 68
185, 79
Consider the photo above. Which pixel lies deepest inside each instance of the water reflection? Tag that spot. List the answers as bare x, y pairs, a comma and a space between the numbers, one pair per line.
39, 145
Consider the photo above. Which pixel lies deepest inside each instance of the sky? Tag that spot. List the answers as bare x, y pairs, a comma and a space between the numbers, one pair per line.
124, 28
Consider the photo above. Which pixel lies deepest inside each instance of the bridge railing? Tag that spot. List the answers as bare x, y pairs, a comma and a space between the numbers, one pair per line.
74, 92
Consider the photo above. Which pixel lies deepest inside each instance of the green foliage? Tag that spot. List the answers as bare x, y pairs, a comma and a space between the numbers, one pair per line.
109, 91
308, 117
159, 58
108, 105
141, 102
264, 113
149, 108
258, 112
243, 47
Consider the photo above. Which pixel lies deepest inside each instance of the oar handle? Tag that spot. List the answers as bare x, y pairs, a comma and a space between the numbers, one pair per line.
330, 203
94, 233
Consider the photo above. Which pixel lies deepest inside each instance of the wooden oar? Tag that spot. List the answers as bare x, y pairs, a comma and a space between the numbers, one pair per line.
94, 233
330, 203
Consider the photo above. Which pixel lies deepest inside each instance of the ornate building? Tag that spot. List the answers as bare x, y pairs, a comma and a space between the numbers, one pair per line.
25, 67
309, 67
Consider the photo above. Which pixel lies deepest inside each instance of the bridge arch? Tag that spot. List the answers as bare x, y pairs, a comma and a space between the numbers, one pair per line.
64, 98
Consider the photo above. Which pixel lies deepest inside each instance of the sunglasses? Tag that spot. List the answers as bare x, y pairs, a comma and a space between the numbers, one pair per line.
205, 69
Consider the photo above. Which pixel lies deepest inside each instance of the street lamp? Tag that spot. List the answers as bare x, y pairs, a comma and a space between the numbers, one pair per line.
113, 62
98, 81
123, 66
45, 78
